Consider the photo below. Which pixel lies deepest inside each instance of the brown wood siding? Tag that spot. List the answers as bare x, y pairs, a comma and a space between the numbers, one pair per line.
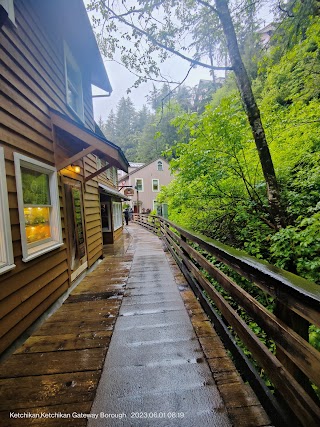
24, 322
117, 233
30, 288
32, 79
92, 213
34, 63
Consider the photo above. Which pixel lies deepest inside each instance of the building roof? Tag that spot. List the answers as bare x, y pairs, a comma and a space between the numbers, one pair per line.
136, 165
113, 192
69, 19
80, 138
144, 166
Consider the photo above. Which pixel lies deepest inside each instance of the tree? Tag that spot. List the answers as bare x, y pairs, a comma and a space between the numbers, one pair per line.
170, 27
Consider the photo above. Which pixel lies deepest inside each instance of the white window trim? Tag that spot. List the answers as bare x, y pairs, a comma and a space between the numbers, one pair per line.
160, 162
68, 56
9, 7
135, 184
5, 226
56, 241
155, 191
154, 203
117, 215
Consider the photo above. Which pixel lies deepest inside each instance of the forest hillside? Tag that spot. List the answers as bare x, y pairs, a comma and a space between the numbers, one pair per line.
219, 189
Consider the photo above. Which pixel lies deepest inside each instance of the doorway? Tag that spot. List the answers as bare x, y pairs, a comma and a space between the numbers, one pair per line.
75, 227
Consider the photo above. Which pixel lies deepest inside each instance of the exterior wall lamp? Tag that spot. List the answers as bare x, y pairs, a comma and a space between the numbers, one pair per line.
76, 168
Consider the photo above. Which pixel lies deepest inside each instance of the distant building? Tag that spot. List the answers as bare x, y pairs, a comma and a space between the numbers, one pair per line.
132, 167
266, 33
147, 181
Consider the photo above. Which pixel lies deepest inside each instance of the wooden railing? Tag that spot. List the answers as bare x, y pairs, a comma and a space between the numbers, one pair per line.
215, 273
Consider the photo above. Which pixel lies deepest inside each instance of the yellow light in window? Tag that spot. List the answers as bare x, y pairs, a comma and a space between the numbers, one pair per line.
37, 221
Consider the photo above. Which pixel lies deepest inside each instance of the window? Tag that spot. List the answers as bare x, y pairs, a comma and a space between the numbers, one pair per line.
117, 215
155, 185
114, 176
101, 163
160, 165
139, 184
8, 6
73, 83
6, 253
105, 216
39, 210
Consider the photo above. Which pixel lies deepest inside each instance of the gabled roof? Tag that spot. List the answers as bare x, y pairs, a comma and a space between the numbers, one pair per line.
144, 166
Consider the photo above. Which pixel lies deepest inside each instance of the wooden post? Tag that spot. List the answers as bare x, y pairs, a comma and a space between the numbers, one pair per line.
301, 326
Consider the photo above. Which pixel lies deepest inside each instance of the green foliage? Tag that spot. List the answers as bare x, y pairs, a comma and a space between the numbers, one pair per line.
297, 248
219, 188
35, 187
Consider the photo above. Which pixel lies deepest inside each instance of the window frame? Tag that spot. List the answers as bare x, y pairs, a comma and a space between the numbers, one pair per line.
8, 5
142, 185
6, 248
68, 57
114, 176
117, 215
152, 187
32, 251
160, 162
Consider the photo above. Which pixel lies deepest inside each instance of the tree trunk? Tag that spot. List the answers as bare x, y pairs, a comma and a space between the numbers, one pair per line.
253, 114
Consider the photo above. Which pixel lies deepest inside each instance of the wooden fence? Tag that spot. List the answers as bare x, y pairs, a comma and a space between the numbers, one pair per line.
216, 273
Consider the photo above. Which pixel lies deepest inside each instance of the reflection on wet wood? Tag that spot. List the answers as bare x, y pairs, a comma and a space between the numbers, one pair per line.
41, 344
55, 328
57, 369
46, 390
55, 362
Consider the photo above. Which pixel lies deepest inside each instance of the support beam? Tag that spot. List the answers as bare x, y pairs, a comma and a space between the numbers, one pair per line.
98, 172
75, 158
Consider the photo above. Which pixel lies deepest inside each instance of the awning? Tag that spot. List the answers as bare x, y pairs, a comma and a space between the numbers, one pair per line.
113, 192
74, 141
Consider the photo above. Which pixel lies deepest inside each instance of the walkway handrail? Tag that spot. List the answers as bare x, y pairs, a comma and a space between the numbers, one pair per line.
297, 302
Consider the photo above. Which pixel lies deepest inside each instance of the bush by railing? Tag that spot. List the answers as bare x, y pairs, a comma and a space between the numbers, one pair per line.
295, 364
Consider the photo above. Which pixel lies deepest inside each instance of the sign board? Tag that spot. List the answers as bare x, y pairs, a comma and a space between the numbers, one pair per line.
128, 192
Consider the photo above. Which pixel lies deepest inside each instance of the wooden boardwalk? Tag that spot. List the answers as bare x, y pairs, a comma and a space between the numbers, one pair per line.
52, 379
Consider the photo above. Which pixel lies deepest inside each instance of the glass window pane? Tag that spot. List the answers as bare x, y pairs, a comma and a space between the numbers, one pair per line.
139, 184
37, 222
35, 187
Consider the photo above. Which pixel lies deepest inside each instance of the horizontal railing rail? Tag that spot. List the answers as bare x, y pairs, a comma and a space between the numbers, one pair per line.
217, 274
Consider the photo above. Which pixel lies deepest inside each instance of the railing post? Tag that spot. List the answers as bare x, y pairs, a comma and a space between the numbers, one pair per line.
301, 326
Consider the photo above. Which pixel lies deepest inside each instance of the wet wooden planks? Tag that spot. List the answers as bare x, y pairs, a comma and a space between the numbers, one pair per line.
56, 372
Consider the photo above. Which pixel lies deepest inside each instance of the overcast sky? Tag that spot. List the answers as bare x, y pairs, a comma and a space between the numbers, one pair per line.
121, 79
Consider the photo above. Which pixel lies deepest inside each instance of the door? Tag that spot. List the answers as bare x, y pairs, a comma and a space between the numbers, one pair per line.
75, 227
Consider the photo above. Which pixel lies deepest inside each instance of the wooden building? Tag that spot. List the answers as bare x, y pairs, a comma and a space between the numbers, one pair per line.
56, 169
